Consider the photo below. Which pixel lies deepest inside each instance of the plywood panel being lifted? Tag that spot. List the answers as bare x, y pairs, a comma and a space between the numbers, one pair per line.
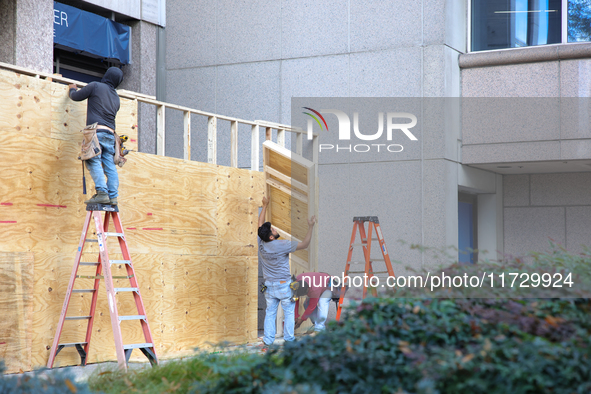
291, 190
190, 228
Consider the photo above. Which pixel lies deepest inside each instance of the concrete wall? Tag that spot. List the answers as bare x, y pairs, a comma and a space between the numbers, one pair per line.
249, 60
539, 207
26, 39
8, 18
552, 85
554, 129
140, 76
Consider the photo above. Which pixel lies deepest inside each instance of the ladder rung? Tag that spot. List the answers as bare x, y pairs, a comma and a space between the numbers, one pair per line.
91, 240
83, 291
120, 261
359, 244
137, 345
77, 317
363, 262
118, 289
132, 317
71, 344
89, 263
114, 234
363, 272
103, 277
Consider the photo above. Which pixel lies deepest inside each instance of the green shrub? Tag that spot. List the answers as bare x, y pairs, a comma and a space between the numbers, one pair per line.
443, 345
425, 346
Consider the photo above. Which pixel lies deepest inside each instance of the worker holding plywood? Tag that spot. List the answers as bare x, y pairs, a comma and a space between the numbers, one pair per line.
103, 105
274, 258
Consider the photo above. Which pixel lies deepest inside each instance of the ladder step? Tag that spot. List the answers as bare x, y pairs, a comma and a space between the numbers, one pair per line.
114, 234
137, 346
89, 277
89, 263
83, 291
359, 244
71, 344
119, 289
120, 262
91, 240
363, 272
363, 262
132, 317
77, 317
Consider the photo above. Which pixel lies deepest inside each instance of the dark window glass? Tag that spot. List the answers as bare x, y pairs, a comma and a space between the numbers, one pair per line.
498, 24
467, 228
579, 20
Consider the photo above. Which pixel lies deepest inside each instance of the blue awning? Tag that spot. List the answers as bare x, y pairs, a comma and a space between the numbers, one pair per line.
90, 34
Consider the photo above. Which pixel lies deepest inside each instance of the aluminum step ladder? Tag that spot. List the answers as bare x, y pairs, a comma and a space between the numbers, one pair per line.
103, 271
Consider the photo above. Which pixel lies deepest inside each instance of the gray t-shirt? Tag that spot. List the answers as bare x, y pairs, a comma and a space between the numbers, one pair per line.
274, 256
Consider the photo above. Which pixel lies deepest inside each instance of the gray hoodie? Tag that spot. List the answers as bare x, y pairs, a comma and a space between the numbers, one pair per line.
103, 100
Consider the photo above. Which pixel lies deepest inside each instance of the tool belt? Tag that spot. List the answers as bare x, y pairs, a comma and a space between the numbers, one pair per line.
92, 148
294, 286
90, 143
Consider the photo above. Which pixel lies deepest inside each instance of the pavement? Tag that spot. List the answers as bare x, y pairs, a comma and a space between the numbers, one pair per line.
82, 373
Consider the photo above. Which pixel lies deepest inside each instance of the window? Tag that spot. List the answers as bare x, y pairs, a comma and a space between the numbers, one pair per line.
467, 228
499, 24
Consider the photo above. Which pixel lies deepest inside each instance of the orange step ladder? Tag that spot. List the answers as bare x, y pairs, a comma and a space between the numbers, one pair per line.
104, 265
366, 237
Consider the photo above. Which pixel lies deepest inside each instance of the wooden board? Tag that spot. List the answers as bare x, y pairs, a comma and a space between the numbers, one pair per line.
289, 207
16, 308
197, 273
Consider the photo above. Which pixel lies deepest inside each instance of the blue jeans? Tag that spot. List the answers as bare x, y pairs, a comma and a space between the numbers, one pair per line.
103, 166
278, 292
319, 315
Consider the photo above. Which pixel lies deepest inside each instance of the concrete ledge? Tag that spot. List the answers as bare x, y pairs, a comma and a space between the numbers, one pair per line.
511, 152
542, 53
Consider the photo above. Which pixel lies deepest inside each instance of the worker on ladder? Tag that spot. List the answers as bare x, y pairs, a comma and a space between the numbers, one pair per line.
274, 258
102, 107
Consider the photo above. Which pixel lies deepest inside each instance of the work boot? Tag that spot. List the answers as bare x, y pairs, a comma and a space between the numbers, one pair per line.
114, 201
99, 198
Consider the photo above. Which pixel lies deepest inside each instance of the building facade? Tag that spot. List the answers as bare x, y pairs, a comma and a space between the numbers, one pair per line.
499, 191
503, 191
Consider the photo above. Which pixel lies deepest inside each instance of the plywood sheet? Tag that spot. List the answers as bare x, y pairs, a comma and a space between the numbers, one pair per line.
288, 167
25, 104
16, 308
197, 274
237, 215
